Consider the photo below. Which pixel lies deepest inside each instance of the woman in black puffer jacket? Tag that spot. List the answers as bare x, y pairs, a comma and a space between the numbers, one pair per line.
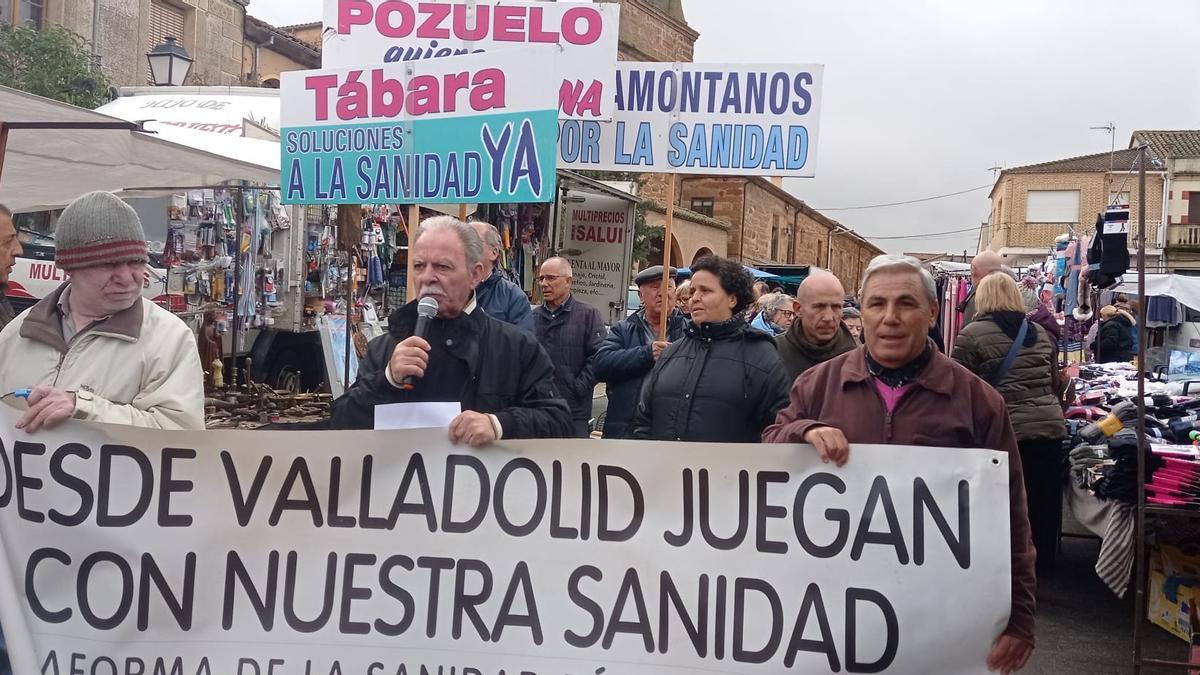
1114, 340
722, 383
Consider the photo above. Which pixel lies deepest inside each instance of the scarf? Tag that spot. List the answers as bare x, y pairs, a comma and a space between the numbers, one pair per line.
898, 377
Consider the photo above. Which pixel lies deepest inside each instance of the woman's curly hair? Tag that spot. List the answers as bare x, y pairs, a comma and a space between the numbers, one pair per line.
734, 279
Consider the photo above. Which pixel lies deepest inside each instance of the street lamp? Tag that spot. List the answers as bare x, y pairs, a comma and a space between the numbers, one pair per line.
169, 63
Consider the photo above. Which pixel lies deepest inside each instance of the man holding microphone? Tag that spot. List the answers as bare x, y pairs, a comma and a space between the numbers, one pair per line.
501, 376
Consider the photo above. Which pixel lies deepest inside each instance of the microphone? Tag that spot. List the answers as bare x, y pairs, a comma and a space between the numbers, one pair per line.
427, 308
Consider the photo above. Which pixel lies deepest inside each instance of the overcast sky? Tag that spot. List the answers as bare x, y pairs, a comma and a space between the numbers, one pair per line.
921, 97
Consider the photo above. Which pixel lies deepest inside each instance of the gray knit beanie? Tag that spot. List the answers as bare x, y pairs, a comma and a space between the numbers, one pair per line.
98, 228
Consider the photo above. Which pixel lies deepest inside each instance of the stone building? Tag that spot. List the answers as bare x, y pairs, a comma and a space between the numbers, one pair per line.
122, 31
1034, 204
768, 225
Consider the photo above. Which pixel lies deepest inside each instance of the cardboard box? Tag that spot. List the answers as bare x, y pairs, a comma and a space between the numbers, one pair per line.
1174, 590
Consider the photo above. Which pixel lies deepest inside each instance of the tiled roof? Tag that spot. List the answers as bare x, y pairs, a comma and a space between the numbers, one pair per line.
299, 26
308, 50
1169, 144
1121, 160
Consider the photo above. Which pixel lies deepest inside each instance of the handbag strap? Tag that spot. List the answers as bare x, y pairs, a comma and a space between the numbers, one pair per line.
998, 376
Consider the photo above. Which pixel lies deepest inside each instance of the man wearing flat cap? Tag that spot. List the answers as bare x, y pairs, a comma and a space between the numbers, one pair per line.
632, 346
95, 349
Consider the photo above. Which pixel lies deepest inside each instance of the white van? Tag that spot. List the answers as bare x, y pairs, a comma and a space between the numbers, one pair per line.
34, 276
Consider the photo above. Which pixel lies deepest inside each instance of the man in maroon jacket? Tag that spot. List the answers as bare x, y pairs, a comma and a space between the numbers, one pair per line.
898, 389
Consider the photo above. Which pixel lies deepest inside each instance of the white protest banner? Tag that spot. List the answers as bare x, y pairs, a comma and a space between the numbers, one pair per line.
359, 32
382, 553
599, 229
477, 128
703, 118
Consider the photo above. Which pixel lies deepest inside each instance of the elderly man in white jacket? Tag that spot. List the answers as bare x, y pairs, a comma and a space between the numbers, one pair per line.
95, 349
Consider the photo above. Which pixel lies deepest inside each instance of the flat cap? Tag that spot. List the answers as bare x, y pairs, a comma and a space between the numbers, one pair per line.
651, 274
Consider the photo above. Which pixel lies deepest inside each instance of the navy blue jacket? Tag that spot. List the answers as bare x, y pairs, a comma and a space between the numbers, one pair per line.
623, 362
504, 300
571, 336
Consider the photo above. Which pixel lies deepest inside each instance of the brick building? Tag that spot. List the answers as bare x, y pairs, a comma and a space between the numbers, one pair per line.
1179, 154
1032, 205
769, 225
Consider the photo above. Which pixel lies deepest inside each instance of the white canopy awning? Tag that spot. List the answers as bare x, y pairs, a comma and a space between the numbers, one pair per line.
1184, 289
46, 169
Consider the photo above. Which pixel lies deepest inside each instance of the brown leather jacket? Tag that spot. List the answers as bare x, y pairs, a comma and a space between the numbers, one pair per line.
947, 407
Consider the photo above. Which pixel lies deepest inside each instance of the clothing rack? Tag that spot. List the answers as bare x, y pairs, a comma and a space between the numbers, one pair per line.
1141, 573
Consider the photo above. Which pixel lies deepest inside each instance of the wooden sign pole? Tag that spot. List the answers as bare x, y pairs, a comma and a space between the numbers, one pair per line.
414, 220
666, 265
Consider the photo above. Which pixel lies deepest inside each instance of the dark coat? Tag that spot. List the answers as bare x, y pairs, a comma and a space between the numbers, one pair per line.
504, 300
722, 383
947, 407
623, 362
1114, 342
1043, 317
510, 376
1030, 385
572, 336
799, 354
7, 313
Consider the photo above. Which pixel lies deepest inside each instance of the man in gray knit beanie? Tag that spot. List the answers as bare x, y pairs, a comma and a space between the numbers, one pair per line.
95, 349
98, 228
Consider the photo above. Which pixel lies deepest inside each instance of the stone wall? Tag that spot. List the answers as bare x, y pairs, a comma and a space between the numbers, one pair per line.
649, 34
212, 36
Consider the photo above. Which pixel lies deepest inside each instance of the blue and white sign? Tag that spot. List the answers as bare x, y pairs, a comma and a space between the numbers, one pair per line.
696, 118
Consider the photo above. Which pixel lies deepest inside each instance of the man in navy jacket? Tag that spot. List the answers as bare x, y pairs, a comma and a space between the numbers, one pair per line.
631, 348
496, 295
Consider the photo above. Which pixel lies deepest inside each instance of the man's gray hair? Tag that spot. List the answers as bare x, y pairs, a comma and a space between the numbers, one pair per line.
491, 236
900, 263
564, 263
472, 244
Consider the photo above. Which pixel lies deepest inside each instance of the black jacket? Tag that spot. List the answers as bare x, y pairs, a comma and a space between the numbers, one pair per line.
510, 376
571, 336
1114, 340
722, 383
623, 362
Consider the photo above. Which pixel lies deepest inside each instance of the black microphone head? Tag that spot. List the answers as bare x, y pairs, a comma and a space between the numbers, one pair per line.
427, 307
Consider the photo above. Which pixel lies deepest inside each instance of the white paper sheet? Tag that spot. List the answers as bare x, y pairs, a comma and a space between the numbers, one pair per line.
423, 415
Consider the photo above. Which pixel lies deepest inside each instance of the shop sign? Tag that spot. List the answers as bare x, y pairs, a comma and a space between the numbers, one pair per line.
377, 553
696, 118
599, 232
473, 128
395, 31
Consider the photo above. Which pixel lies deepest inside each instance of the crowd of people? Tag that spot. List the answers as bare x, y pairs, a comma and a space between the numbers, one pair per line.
714, 360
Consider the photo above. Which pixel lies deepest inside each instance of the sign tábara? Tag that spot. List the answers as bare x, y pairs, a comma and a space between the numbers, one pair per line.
129, 550
478, 128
